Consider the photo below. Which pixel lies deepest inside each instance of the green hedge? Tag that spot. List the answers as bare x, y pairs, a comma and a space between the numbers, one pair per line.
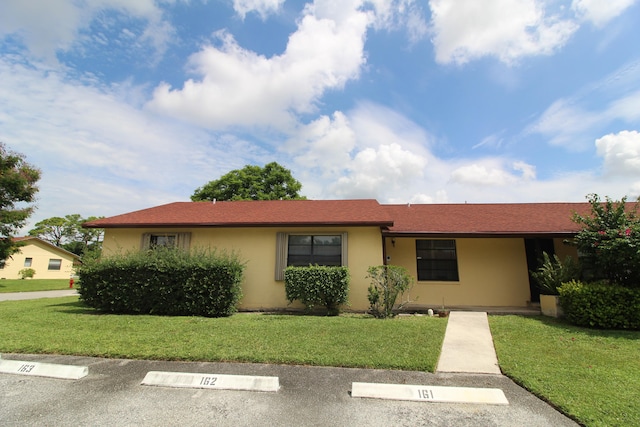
164, 282
601, 305
318, 286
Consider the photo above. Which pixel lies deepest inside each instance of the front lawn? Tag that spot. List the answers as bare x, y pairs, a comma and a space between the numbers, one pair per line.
64, 326
592, 375
30, 285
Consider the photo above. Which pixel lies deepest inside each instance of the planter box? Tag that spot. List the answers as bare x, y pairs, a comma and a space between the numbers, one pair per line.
550, 306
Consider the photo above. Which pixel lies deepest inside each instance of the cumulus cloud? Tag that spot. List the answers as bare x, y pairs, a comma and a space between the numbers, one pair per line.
379, 171
236, 86
620, 153
369, 151
464, 30
600, 12
96, 151
32, 23
324, 145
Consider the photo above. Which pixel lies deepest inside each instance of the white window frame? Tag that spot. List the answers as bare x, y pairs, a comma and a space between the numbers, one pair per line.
282, 248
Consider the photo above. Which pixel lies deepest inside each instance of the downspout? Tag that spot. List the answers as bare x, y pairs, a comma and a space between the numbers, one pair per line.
384, 249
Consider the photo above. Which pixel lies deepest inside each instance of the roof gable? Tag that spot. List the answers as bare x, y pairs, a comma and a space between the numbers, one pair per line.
32, 240
253, 213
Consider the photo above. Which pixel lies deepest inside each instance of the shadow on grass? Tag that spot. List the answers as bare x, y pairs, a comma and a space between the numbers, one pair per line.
76, 307
566, 326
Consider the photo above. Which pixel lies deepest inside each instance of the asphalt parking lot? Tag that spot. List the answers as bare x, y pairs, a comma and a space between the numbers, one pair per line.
112, 394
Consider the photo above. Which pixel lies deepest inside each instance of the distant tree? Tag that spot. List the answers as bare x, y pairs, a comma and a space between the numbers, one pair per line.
53, 230
273, 182
17, 186
68, 233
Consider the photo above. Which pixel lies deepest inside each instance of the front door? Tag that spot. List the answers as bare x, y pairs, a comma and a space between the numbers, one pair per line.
534, 249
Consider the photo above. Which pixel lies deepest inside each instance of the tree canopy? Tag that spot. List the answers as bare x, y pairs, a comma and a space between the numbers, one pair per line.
272, 182
17, 189
68, 233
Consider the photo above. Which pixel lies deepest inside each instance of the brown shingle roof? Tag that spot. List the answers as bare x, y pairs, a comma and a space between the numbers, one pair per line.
253, 213
500, 219
486, 219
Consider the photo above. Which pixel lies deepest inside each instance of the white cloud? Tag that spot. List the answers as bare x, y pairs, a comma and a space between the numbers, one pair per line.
571, 123
98, 154
262, 7
492, 172
620, 153
324, 146
239, 87
379, 172
32, 22
507, 29
567, 124
600, 12
396, 14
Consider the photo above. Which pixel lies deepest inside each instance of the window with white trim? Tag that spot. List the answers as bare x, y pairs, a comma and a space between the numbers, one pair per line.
437, 260
27, 262
303, 249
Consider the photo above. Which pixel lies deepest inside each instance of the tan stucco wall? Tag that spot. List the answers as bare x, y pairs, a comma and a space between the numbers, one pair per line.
492, 272
40, 254
257, 246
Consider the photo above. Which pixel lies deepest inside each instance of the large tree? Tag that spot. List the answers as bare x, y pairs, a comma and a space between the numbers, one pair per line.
68, 233
272, 182
17, 190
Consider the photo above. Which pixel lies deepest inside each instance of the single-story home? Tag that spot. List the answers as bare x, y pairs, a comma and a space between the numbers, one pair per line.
48, 260
462, 255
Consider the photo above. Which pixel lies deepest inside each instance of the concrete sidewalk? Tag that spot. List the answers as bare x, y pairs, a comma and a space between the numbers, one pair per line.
16, 296
468, 345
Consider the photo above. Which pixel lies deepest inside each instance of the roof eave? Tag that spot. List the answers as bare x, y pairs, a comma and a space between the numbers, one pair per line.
480, 234
246, 224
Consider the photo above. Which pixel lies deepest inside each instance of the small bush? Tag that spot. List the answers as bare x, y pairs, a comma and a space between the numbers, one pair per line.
601, 305
27, 273
388, 282
318, 286
554, 272
165, 282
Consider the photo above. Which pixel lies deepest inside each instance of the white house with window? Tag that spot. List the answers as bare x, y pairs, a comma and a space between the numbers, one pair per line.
47, 260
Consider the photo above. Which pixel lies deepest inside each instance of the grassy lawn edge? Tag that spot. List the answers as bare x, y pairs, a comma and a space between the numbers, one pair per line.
592, 376
65, 326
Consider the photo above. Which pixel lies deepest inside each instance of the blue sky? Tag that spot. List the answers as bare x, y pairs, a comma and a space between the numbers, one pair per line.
127, 104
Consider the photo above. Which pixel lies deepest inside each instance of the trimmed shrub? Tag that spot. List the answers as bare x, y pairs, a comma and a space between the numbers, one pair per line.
164, 281
318, 286
388, 282
600, 305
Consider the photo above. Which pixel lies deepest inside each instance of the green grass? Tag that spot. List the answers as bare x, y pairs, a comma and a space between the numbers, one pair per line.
64, 326
30, 285
591, 375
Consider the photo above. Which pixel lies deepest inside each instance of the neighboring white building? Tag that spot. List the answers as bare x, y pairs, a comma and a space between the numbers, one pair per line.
49, 261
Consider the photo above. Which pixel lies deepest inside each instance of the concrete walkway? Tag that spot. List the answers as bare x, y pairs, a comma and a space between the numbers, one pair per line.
15, 296
468, 345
